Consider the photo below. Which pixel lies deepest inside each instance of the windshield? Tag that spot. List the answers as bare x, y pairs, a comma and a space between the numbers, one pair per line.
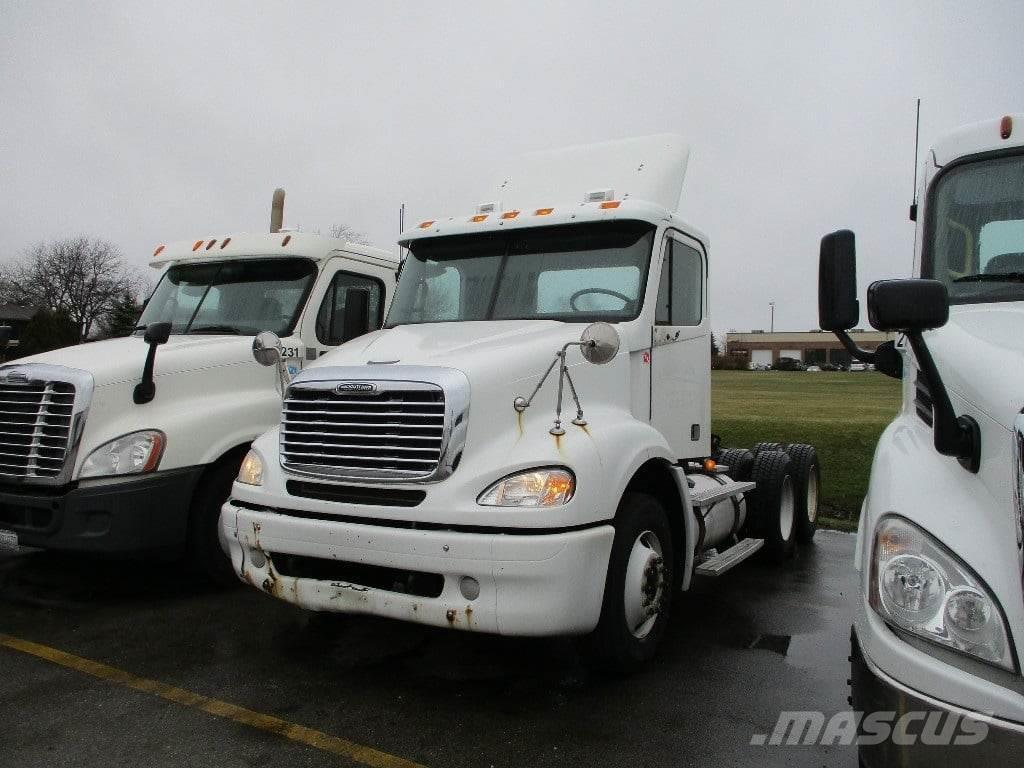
975, 231
243, 297
575, 273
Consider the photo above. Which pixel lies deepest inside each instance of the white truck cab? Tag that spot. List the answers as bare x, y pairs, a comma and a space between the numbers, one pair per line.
130, 445
939, 625
525, 447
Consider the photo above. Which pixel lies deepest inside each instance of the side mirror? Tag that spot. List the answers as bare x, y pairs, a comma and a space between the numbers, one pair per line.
838, 308
266, 348
157, 333
907, 305
357, 314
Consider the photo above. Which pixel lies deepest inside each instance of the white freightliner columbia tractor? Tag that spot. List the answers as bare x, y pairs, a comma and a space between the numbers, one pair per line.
525, 447
129, 446
940, 616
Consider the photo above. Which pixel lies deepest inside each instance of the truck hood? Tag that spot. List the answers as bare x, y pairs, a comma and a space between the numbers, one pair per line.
980, 355
119, 360
516, 348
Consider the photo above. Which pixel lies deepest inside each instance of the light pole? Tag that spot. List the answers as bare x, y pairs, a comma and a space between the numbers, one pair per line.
772, 326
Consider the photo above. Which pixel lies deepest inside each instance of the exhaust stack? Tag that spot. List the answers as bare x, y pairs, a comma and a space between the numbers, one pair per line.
277, 211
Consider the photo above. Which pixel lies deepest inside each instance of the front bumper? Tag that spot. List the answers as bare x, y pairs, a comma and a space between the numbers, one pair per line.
874, 691
536, 584
117, 516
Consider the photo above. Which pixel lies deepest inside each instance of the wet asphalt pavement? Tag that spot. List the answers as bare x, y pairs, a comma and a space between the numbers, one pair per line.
740, 649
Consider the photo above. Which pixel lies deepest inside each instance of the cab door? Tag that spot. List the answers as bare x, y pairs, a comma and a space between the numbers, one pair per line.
681, 349
324, 324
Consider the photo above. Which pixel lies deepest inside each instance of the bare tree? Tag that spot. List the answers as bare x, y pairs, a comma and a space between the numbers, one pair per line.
345, 232
81, 277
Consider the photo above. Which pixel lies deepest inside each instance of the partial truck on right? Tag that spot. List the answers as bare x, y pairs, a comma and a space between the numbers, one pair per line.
940, 615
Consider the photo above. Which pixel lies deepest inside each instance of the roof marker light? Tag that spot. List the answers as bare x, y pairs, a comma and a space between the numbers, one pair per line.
210, 244
197, 244
287, 239
543, 211
158, 251
1006, 126
509, 214
611, 204
225, 243
426, 224
479, 217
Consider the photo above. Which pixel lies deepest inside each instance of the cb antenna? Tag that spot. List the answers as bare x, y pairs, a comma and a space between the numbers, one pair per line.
917, 138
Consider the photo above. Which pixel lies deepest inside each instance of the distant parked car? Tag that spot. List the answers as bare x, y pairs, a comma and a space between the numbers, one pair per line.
831, 367
858, 367
812, 368
788, 364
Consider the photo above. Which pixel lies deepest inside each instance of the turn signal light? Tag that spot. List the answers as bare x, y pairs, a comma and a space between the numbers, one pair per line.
158, 251
198, 243
509, 214
479, 217
710, 465
543, 211
427, 224
611, 204
1006, 127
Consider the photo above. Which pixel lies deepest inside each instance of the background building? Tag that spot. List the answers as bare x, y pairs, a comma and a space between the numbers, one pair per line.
810, 347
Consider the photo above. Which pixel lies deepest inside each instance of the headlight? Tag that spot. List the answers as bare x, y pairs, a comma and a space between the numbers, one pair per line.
129, 454
251, 472
537, 488
921, 587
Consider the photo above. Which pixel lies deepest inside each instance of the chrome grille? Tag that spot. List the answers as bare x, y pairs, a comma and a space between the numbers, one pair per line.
36, 425
390, 430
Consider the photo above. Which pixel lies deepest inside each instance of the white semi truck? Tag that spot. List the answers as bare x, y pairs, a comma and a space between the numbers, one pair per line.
129, 446
940, 616
525, 447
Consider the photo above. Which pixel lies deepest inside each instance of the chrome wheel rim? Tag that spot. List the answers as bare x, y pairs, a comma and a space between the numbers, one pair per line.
812, 495
787, 508
645, 584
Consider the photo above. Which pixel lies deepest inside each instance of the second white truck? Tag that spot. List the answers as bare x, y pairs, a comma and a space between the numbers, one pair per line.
129, 446
525, 448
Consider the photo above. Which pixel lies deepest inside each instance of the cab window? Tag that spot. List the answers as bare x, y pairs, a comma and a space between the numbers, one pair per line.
681, 289
330, 319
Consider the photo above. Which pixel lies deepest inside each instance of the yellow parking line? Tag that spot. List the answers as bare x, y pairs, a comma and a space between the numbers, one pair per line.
299, 733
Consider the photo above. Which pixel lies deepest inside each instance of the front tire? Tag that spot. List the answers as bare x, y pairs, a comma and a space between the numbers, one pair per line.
204, 550
639, 588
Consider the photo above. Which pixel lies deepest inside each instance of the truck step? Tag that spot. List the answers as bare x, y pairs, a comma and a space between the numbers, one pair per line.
715, 495
730, 558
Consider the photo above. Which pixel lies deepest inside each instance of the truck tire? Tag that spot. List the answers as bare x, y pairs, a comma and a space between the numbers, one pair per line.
638, 589
739, 462
772, 504
204, 550
758, 447
807, 474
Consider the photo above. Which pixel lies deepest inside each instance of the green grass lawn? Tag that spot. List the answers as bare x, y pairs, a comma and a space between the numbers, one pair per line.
840, 414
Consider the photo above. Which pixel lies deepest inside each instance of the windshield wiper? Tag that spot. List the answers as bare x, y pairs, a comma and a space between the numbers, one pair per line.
215, 329
995, 277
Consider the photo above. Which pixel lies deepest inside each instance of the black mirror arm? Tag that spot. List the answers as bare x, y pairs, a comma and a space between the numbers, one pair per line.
145, 390
861, 354
954, 436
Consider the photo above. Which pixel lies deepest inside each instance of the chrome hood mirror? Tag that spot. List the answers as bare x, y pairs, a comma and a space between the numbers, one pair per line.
599, 343
267, 350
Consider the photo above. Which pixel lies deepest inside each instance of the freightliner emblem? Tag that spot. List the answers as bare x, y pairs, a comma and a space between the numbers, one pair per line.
351, 387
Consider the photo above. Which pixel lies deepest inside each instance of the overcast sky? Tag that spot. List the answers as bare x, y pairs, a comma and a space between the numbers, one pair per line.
142, 122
